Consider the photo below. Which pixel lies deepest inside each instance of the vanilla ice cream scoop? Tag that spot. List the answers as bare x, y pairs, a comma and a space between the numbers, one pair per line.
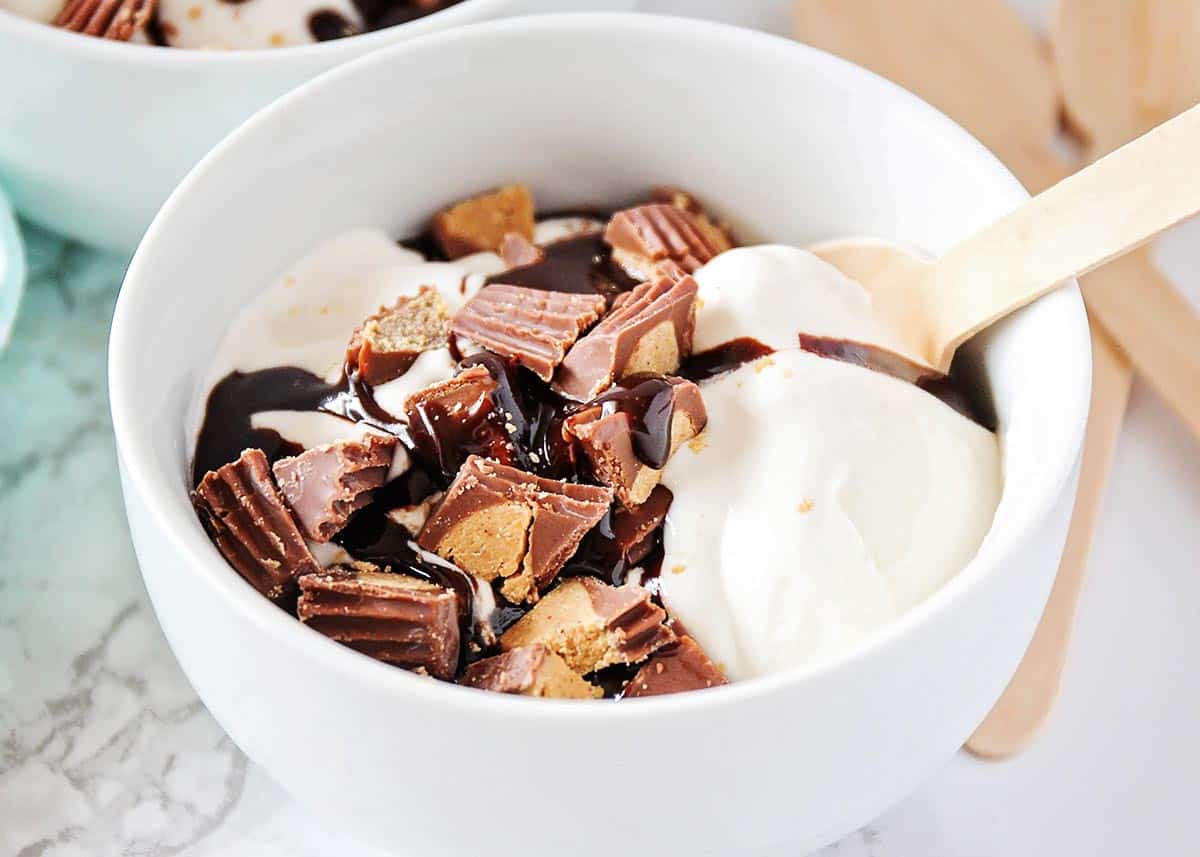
823, 501
772, 292
250, 24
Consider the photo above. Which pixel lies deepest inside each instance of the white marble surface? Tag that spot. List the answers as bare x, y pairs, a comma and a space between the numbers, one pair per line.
104, 749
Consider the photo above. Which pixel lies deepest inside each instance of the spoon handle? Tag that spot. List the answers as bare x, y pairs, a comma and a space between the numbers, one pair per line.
1099, 213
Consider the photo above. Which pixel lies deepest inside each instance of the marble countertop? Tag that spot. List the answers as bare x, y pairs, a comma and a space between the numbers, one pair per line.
105, 750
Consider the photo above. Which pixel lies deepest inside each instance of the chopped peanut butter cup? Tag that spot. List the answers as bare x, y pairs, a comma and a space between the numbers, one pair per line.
643, 236
452, 419
533, 327
517, 251
395, 618
325, 485
498, 522
387, 343
119, 20
629, 433
648, 330
529, 671
480, 223
592, 625
248, 520
676, 668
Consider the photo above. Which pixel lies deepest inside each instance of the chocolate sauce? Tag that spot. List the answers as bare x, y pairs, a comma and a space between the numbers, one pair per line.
580, 264
327, 25
950, 389
227, 430
726, 357
442, 440
532, 415
649, 400
623, 540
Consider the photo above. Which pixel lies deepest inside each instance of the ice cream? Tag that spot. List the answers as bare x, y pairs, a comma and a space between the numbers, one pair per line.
649, 450
824, 499
226, 24
218, 24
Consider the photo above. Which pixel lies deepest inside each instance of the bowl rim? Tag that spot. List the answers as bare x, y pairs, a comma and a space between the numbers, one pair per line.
160, 56
155, 487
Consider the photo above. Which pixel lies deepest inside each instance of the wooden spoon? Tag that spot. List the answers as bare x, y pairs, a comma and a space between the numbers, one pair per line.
1124, 67
985, 68
1098, 214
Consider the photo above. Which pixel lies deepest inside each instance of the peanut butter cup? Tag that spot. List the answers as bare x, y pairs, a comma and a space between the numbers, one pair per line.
498, 522
676, 668
387, 343
530, 326
249, 522
325, 485
593, 625
529, 671
394, 618
480, 223
643, 236
648, 330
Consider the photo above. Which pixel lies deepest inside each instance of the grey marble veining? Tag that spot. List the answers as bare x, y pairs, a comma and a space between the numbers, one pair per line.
104, 748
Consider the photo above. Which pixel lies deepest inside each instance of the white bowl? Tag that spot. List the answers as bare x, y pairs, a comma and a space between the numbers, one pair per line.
790, 144
97, 134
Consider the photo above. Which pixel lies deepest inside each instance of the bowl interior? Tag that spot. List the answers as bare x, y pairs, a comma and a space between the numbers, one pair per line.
789, 144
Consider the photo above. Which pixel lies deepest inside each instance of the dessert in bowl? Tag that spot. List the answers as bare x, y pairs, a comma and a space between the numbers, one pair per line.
815, 742
104, 129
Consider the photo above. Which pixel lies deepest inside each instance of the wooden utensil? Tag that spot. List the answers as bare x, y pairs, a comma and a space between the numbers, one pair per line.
1124, 66
988, 71
1116, 204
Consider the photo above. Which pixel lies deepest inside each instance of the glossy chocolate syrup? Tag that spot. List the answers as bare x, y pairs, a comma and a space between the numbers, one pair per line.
964, 398
649, 401
724, 358
580, 264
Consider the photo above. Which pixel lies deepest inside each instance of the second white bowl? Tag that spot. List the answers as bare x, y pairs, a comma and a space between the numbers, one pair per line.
96, 134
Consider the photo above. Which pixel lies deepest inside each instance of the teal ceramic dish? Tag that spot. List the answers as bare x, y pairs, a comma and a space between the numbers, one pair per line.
12, 269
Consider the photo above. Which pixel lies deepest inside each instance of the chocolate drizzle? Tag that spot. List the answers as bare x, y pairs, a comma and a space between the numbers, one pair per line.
726, 357
950, 389
649, 401
581, 264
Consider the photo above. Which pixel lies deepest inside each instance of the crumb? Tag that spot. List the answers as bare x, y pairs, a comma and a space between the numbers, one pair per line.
787, 373
678, 569
277, 39
698, 443
765, 363
806, 506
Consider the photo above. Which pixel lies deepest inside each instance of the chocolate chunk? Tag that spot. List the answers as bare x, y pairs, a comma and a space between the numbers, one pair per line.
394, 618
625, 538
119, 20
676, 668
517, 251
533, 327
592, 625
629, 432
325, 485
249, 522
479, 224
648, 330
387, 343
455, 418
500, 522
529, 671
645, 235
